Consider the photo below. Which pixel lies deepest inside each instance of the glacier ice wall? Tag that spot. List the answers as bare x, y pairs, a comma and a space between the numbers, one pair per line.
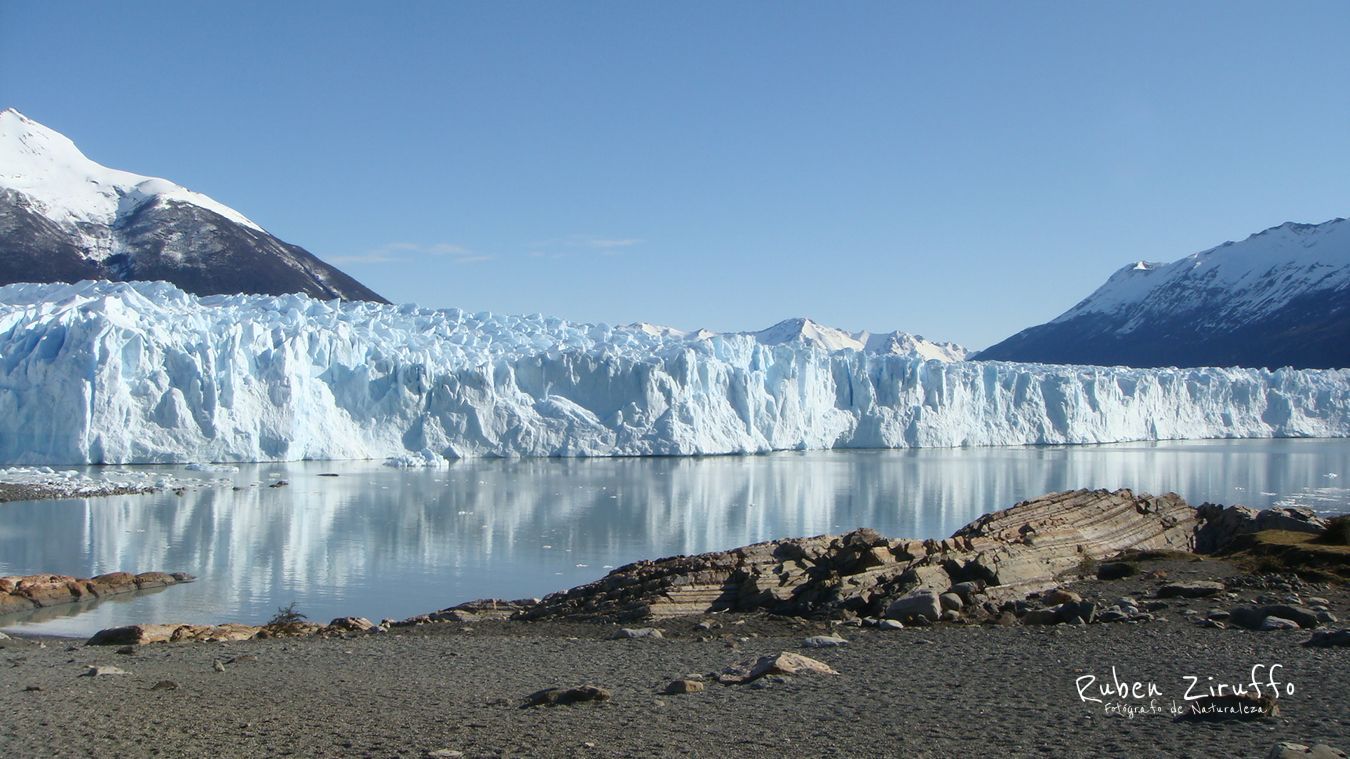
101, 372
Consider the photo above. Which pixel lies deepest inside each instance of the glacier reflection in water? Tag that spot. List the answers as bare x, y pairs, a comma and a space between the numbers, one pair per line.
381, 542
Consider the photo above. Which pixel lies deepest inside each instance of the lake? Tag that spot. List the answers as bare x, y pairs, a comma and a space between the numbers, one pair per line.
381, 542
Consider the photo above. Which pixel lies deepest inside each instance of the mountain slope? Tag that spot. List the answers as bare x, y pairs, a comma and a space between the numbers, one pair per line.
64, 218
1279, 298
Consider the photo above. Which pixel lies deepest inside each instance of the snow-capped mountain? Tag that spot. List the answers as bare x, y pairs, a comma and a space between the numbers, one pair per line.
1279, 298
64, 218
102, 372
807, 332
801, 331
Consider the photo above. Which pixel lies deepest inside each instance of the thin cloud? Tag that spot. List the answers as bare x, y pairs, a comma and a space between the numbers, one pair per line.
576, 245
402, 252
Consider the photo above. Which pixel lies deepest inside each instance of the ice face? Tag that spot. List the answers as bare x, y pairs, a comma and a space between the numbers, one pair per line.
101, 372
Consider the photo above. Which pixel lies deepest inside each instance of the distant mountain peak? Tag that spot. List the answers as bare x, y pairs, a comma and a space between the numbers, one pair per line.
65, 217
1279, 297
67, 186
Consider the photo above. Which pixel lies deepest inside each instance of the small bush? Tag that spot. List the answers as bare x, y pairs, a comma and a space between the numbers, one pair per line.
286, 615
1337, 533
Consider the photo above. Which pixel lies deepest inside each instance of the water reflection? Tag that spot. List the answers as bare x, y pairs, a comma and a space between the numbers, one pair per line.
388, 543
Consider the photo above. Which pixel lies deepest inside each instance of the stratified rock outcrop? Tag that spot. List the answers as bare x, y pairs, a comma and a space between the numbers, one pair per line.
21, 594
1004, 555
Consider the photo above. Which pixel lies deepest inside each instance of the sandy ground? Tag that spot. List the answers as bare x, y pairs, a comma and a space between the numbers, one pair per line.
941, 691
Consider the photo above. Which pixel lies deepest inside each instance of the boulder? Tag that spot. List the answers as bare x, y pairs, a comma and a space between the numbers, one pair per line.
349, 624
1220, 526
1329, 638
1290, 519
1276, 623
1116, 570
565, 696
677, 687
1192, 589
1072, 612
1060, 596
1253, 617
1048, 616
916, 603
786, 663
951, 601
968, 590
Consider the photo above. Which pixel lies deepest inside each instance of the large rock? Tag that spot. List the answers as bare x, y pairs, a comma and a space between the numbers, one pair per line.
565, 696
1220, 526
1193, 589
786, 663
1329, 638
917, 603
1005, 555
1254, 617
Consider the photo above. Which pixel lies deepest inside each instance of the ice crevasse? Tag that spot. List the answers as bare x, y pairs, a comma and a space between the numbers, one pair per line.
100, 372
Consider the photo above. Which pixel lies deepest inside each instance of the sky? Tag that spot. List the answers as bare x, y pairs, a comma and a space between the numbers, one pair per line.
960, 171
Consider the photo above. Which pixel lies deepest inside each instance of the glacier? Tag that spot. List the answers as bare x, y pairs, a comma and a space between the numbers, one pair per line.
141, 372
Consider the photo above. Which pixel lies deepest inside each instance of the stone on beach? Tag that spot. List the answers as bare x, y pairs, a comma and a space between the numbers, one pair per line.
1329, 638
677, 687
786, 663
1192, 589
565, 696
922, 602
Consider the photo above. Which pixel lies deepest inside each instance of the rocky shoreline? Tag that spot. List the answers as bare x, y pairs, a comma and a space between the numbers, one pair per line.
1040, 630
20, 594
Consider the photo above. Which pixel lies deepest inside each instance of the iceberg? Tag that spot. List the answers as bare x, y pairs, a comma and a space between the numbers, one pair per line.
141, 372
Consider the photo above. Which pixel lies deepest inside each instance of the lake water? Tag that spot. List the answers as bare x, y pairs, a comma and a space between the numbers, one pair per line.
381, 542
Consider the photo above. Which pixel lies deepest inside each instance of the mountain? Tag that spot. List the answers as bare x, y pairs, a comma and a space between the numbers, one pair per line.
141, 372
807, 332
801, 331
64, 218
1279, 298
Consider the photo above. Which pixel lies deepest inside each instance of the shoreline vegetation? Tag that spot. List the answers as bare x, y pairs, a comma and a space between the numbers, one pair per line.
1075, 624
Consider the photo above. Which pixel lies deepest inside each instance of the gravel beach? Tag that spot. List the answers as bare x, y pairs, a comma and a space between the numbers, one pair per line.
941, 691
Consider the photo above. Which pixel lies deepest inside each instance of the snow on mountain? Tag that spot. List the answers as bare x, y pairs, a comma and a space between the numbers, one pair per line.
69, 188
143, 372
808, 332
64, 218
1280, 297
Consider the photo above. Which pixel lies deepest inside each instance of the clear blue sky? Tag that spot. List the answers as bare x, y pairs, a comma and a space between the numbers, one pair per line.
957, 170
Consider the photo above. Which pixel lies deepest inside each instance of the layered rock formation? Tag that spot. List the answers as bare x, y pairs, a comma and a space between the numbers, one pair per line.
1001, 556
21, 594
